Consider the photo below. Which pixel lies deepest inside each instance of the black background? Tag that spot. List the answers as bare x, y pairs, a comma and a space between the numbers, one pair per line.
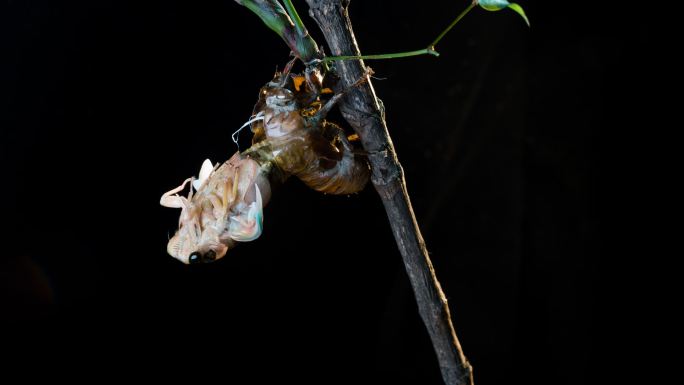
108, 104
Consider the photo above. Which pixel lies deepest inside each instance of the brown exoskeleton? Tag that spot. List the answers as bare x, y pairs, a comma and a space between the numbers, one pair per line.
291, 137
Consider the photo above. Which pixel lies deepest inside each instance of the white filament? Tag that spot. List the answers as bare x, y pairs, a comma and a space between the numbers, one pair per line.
236, 134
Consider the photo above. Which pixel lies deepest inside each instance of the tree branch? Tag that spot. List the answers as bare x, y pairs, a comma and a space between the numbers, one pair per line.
363, 111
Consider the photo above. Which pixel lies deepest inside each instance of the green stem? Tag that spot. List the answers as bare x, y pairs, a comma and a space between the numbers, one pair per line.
453, 23
292, 11
425, 51
289, 26
430, 50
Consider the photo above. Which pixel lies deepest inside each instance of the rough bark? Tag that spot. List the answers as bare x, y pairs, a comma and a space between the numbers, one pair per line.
365, 114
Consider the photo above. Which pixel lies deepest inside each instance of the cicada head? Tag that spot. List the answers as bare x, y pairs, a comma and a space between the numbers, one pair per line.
197, 240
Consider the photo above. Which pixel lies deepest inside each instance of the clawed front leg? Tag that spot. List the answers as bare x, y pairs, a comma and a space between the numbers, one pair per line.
172, 199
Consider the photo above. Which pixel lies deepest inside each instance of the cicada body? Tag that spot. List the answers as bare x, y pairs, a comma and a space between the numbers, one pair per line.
227, 207
291, 138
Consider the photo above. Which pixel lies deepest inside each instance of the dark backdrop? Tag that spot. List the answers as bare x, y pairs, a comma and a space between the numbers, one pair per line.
108, 104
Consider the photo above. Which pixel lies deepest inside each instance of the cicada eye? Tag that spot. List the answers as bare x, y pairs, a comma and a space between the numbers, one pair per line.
209, 256
195, 257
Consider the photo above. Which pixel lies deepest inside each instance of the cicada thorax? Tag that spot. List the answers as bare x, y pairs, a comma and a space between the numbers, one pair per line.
227, 187
300, 141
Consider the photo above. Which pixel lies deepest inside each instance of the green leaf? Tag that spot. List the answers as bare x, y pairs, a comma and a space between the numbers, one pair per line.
518, 9
497, 5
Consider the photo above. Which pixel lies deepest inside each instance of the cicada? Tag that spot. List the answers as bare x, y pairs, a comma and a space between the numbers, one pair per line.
292, 137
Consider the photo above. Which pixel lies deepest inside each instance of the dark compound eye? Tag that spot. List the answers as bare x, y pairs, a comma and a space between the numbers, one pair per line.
195, 257
209, 256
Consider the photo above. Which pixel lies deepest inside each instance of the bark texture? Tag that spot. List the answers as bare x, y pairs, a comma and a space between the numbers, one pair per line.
364, 112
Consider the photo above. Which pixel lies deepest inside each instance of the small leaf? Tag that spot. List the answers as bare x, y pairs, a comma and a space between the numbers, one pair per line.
518, 9
497, 5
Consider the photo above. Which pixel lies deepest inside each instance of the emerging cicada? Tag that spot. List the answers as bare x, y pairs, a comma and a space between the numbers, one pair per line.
291, 137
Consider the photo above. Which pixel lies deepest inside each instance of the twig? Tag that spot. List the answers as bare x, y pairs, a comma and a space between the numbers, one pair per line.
362, 110
453, 24
430, 50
